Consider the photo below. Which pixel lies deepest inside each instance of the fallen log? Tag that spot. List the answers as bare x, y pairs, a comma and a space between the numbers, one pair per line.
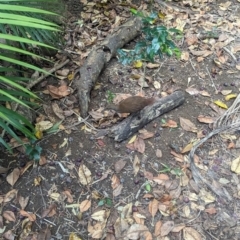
100, 55
137, 121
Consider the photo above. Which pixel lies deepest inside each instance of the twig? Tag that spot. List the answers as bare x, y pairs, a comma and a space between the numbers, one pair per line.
194, 218
45, 219
139, 191
82, 120
229, 52
194, 68
36, 215
212, 235
31, 84
211, 79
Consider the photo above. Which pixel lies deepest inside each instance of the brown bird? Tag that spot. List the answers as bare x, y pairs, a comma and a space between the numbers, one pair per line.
131, 104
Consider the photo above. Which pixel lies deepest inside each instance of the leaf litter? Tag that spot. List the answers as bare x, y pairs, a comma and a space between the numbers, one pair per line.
143, 186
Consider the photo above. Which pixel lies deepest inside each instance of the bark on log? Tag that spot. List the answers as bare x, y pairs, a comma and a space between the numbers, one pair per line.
100, 55
137, 121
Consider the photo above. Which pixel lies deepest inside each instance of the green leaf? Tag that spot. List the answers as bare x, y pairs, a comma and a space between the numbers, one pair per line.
12, 98
109, 202
5, 144
101, 202
24, 40
17, 17
14, 49
54, 128
148, 187
133, 11
23, 9
9, 131
23, 64
15, 119
27, 24
16, 85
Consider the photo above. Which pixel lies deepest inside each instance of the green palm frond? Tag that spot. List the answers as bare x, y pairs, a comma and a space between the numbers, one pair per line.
25, 25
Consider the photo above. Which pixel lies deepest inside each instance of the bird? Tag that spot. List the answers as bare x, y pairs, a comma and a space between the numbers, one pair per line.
131, 104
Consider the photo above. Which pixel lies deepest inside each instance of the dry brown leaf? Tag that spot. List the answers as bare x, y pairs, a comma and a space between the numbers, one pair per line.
136, 165
9, 235
144, 134
100, 215
157, 85
73, 236
161, 178
63, 72
96, 115
203, 53
152, 65
84, 205
146, 235
205, 93
192, 91
85, 176
9, 215
110, 236
37, 181
139, 145
167, 228
57, 110
170, 123
49, 212
23, 201
135, 231
158, 153
139, 218
184, 180
59, 92
117, 191
231, 145
119, 165
43, 125
148, 175
115, 181
27, 166
55, 196
178, 156
157, 230
69, 196
153, 207
148, 195
13, 176
211, 210
187, 125
42, 160
185, 56
191, 39
235, 165
187, 148
10, 195
191, 234
30, 216
178, 228
205, 119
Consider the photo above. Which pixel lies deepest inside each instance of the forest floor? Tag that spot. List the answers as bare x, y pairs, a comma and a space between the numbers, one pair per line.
142, 188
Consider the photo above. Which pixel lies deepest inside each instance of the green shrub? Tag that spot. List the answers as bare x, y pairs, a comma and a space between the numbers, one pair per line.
157, 41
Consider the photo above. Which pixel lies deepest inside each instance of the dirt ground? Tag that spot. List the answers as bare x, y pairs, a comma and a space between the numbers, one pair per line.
146, 194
